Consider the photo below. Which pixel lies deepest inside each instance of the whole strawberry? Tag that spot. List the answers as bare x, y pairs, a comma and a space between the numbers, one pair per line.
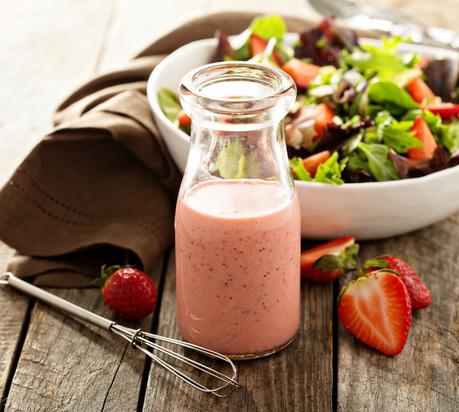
419, 294
127, 291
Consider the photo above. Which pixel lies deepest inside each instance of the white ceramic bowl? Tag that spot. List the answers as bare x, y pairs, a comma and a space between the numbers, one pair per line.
363, 210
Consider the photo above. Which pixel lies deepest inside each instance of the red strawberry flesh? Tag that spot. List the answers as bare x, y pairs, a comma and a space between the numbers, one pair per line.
376, 309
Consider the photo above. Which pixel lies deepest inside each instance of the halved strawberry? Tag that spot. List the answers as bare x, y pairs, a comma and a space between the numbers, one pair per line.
376, 309
327, 262
419, 293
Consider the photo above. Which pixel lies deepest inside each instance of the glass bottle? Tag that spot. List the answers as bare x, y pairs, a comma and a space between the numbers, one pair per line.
237, 219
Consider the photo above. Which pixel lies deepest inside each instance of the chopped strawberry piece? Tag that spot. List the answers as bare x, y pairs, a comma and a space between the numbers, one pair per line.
302, 73
323, 116
376, 309
184, 120
420, 92
422, 133
327, 262
311, 163
445, 110
419, 293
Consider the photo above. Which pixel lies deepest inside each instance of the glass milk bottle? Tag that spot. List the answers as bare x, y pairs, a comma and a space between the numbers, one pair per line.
237, 219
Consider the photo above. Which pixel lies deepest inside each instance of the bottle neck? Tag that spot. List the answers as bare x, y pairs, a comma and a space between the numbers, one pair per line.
237, 112
251, 154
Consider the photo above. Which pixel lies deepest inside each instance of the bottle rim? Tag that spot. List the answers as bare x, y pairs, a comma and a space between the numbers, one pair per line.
275, 84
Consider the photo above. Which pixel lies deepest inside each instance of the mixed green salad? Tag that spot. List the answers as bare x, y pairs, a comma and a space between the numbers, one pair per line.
364, 112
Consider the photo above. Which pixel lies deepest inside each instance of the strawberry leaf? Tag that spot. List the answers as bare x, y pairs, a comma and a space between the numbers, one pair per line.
375, 263
346, 260
105, 273
328, 263
351, 257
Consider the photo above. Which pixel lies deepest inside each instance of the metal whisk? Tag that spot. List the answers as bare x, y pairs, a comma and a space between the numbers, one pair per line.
139, 339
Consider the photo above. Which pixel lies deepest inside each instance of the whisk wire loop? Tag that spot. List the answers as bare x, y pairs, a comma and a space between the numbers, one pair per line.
139, 339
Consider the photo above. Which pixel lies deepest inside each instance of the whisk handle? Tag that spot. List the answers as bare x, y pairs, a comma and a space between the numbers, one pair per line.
56, 301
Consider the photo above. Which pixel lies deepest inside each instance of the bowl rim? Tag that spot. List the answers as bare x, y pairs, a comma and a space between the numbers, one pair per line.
152, 88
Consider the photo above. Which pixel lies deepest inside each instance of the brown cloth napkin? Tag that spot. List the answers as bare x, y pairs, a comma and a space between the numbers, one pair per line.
101, 187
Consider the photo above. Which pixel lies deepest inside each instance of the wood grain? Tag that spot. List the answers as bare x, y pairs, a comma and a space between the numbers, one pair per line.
298, 378
68, 365
12, 313
425, 376
49, 47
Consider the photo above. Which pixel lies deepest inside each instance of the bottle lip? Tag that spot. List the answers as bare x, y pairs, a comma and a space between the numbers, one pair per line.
196, 82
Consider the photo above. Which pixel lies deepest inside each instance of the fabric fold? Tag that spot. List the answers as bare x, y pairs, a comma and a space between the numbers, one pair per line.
101, 187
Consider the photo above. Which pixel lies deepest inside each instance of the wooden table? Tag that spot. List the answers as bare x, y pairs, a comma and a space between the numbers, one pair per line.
49, 362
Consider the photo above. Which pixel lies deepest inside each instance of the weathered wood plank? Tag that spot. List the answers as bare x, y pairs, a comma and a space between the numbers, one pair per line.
133, 27
298, 378
67, 365
425, 376
12, 313
48, 48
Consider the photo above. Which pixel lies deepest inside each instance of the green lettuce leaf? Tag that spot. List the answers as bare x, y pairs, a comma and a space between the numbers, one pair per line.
236, 162
388, 94
169, 103
399, 136
449, 136
378, 162
393, 133
381, 60
298, 169
269, 26
357, 162
330, 171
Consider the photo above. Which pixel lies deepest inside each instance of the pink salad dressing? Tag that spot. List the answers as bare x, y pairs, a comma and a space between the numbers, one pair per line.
238, 269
